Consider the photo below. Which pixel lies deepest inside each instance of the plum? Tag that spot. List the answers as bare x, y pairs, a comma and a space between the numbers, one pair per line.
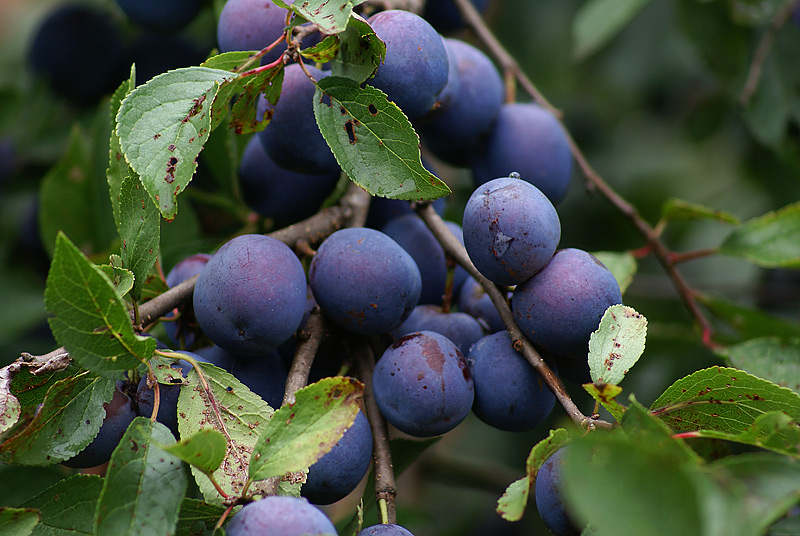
280, 516
461, 328
549, 498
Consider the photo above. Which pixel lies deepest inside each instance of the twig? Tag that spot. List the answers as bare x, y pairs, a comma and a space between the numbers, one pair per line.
763, 49
678, 258
385, 486
454, 248
661, 252
312, 335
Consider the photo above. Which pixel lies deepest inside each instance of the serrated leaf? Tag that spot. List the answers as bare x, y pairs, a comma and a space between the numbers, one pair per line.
230, 61
606, 394
678, 209
772, 483
360, 51
10, 407
750, 323
301, 433
617, 344
90, 320
144, 485
18, 521
121, 278
322, 52
722, 399
771, 240
67, 422
774, 431
167, 371
373, 141
31, 389
139, 229
235, 411
205, 450
598, 21
511, 506
118, 167
68, 506
249, 89
770, 358
197, 518
639, 423
162, 126
622, 265
331, 17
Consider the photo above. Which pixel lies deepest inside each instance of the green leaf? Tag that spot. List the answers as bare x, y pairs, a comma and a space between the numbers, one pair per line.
68, 420
10, 407
617, 344
231, 61
72, 199
639, 423
139, 229
121, 278
771, 240
248, 91
360, 51
205, 450
18, 521
197, 518
162, 127
31, 389
90, 320
772, 431
232, 409
606, 394
301, 433
770, 358
622, 265
598, 21
118, 167
772, 483
750, 323
68, 506
723, 399
511, 506
144, 485
373, 141
331, 17
324, 51
678, 209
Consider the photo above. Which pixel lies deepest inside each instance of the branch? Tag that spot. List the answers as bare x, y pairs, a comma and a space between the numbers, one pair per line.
661, 252
763, 49
454, 248
311, 336
385, 486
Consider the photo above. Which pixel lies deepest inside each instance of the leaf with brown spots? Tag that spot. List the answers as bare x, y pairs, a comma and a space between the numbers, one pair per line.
140, 230
68, 506
617, 344
232, 410
18, 521
722, 399
301, 433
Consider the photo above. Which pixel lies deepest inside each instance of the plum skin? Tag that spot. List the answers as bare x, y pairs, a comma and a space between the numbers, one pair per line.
560, 306
509, 393
339, 471
511, 230
529, 140
549, 501
388, 529
364, 281
251, 295
462, 329
422, 384
415, 69
280, 516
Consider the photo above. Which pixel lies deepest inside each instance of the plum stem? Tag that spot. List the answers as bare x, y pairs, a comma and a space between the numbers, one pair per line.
311, 336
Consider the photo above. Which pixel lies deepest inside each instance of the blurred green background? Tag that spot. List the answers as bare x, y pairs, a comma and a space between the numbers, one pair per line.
656, 111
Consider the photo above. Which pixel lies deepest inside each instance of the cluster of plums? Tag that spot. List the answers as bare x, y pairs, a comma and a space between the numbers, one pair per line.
388, 280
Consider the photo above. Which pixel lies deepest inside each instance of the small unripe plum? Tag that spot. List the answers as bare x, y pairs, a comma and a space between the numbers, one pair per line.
509, 393
283, 195
364, 281
280, 516
462, 329
511, 230
388, 529
339, 471
251, 295
560, 306
415, 69
422, 384
549, 498
527, 139
292, 139
474, 301
186, 325
119, 415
